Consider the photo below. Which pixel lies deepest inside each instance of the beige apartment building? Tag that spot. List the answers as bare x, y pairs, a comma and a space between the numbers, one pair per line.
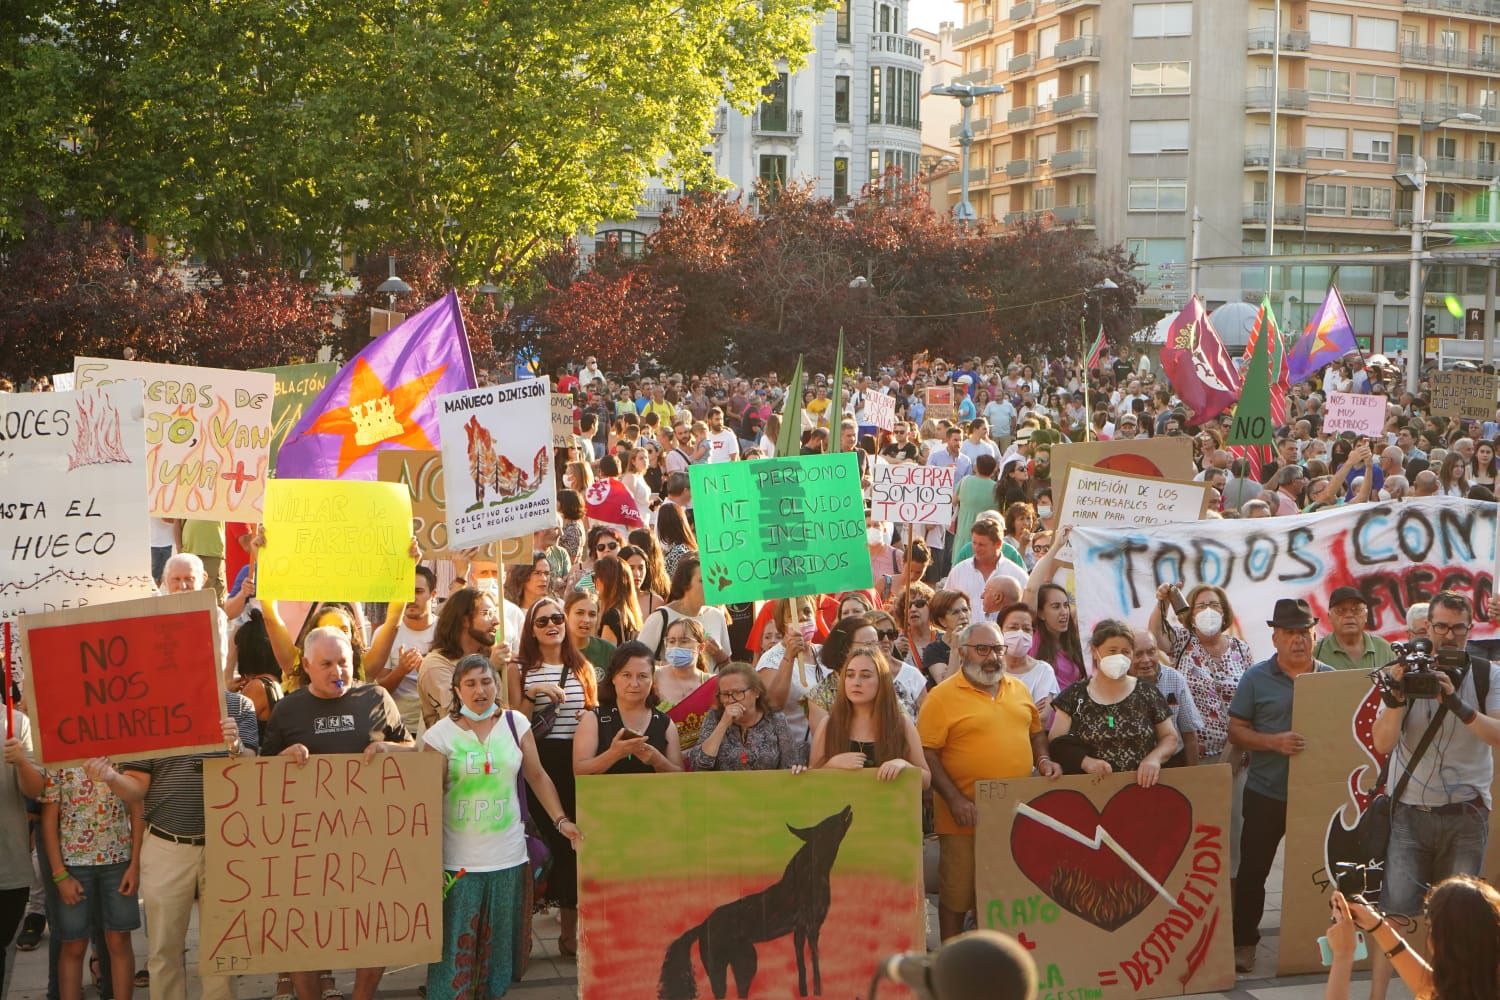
1125, 115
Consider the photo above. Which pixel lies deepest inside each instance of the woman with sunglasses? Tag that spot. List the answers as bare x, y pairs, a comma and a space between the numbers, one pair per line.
911, 684
603, 540
744, 733
910, 610
553, 687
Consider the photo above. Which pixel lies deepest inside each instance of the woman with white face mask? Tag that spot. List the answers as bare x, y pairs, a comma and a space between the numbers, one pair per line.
1208, 654
1110, 722
1017, 624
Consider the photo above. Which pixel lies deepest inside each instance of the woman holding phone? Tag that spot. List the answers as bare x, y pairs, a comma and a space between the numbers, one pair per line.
626, 734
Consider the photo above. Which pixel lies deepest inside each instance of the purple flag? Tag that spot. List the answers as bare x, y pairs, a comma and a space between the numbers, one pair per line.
386, 397
1197, 365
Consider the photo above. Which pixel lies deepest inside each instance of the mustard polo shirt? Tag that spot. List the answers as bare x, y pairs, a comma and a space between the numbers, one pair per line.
976, 736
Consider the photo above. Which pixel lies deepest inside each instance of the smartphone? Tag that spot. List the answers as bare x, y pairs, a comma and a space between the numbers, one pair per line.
631, 734
1360, 951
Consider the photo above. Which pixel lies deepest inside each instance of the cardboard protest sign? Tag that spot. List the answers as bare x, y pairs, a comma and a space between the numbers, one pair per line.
331, 540
912, 494
497, 449
1100, 498
780, 527
208, 435
560, 407
649, 887
1120, 891
1395, 554
880, 410
1329, 787
296, 387
73, 507
421, 472
130, 680
1353, 411
938, 403
1162, 457
64, 382
335, 863
1464, 395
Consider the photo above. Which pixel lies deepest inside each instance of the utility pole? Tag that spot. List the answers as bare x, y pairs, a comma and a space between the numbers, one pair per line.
1416, 347
1275, 151
965, 94
1193, 266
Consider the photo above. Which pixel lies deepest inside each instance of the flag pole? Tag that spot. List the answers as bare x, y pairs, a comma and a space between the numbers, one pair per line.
1088, 410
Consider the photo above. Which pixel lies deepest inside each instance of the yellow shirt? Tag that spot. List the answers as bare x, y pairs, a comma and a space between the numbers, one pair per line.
976, 736
664, 411
819, 409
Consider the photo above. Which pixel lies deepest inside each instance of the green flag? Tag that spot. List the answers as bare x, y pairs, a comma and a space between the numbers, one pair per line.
789, 440
1252, 414
836, 403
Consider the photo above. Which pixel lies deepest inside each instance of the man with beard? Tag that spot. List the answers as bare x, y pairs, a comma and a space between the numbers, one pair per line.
396, 652
978, 723
466, 625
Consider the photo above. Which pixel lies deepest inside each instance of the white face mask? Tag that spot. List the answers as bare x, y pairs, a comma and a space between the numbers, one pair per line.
1043, 513
1208, 622
1017, 643
1114, 666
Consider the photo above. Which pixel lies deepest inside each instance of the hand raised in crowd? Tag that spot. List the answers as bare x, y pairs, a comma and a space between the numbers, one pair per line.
297, 752
626, 745
849, 760
714, 650
500, 655
408, 659
793, 645
1288, 744
414, 550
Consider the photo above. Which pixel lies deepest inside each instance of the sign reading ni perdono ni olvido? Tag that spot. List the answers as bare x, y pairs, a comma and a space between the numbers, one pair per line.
780, 527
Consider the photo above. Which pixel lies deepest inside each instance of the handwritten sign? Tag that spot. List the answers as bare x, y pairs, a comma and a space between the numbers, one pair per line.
497, 460
335, 863
1163, 457
780, 527
133, 679
561, 409
1353, 411
1098, 498
880, 410
938, 402
296, 387
208, 435
73, 504
912, 494
1464, 395
330, 540
421, 472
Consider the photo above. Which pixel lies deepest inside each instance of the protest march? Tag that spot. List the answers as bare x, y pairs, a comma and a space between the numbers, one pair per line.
739, 678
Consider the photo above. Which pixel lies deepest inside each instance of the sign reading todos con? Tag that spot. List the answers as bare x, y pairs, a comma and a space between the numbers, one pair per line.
912, 494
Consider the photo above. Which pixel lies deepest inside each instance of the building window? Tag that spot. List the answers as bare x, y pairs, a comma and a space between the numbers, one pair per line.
875, 93
1327, 199
1375, 33
841, 100
1327, 85
773, 173
1159, 78
1158, 194
1370, 203
1330, 29
1448, 40
1326, 143
627, 242
1043, 199
773, 111
840, 179
1372, 146
887, 16
1447, 148
1446, 204
1046, 147
874, 166
1161, 20
1165, 136
841, 23
1370, 88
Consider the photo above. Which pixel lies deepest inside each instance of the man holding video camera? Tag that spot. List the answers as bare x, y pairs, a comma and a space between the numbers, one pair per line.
1440, 820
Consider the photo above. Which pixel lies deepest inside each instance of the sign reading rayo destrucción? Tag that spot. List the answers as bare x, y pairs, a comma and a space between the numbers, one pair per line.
780, 527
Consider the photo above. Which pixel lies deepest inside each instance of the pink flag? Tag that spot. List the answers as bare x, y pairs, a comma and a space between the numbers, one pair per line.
1197, 365
611, 501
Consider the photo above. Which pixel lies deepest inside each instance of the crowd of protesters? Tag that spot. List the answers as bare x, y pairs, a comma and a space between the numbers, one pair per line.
964, 661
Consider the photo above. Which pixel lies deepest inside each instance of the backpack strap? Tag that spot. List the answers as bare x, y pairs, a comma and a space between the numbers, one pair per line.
661, 640
520, 771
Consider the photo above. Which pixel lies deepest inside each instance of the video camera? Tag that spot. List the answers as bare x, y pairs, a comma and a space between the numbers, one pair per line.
1420, 679
1354, 879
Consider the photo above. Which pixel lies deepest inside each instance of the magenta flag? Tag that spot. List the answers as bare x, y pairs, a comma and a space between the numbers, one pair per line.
1198, 366
386, 397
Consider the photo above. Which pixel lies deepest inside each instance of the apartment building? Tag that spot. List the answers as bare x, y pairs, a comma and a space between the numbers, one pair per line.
1122, 116
849, 113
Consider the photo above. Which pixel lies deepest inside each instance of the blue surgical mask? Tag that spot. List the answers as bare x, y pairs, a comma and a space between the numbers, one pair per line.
473, 716
680, 656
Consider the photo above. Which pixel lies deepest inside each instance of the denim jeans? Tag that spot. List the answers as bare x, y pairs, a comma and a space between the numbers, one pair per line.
1428, 847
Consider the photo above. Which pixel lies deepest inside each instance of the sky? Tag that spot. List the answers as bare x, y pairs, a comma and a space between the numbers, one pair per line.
928, 13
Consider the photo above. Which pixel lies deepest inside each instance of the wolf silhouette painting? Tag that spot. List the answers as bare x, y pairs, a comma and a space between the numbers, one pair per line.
763, 885
796, 905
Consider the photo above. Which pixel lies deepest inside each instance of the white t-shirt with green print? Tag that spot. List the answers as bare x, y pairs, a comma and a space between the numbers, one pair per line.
482, 829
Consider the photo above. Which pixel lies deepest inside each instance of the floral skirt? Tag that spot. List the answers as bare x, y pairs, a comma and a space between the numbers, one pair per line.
486, 936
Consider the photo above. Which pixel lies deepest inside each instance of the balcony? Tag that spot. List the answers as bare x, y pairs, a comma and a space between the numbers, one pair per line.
1439, 55
1480, 171
1255, 212
1264, 40
1019, 116
1080, 215
1259, 99
1372, 212
972, 31
1472, 8
979, 126
1082, 47
777, 123
1021, 63
1058, 6
1290, 157
1016, 218
720, 123
979, 76
1068, 160
1023, 11
655, 201
1086, 103
1403, 218
893, 44
1443, 111
1017, 168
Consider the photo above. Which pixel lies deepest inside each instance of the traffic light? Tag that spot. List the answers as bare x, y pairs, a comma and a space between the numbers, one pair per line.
1429, 326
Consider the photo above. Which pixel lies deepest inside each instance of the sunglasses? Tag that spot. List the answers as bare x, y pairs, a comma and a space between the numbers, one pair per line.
553, 619
888, 634
607, 547
920, 602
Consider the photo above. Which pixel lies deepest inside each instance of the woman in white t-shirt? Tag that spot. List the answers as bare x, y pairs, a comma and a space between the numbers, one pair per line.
486, 922
685, 600
790, 667
1017, 623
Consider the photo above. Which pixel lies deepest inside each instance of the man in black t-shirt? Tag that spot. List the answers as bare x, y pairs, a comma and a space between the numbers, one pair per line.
902, 448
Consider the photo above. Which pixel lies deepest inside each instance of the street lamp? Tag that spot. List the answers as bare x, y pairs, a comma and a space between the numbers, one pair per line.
1302, 304
965, 94
862, 284
392, 286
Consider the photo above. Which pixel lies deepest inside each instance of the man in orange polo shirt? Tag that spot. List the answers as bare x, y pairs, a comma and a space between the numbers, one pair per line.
979, 723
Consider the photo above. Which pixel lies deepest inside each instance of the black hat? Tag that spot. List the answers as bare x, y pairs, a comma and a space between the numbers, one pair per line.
1343, 594
1292, 612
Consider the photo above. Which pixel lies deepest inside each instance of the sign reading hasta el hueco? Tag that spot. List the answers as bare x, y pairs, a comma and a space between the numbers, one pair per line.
780, 527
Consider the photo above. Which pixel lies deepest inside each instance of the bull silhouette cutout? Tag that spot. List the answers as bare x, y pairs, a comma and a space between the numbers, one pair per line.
796, 905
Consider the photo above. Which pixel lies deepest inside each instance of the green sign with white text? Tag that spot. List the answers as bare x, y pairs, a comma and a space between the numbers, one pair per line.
780, 527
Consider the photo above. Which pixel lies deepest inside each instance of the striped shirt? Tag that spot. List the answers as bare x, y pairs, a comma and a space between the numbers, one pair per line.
572, 706
174, 802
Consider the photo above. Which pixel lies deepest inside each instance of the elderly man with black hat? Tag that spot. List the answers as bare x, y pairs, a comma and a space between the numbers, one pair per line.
1260, 720
1350, 645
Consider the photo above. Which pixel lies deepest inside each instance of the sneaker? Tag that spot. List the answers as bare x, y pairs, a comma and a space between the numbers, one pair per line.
32, 929
1244, 958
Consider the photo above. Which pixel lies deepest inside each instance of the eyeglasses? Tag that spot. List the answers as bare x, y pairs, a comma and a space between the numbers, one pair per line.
733, 695
553, 619
986, 649
1209, 606
1443, 628
607, 547
920, 602
888, 634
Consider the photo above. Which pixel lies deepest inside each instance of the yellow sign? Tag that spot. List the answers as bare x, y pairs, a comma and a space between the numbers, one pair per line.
328, 540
